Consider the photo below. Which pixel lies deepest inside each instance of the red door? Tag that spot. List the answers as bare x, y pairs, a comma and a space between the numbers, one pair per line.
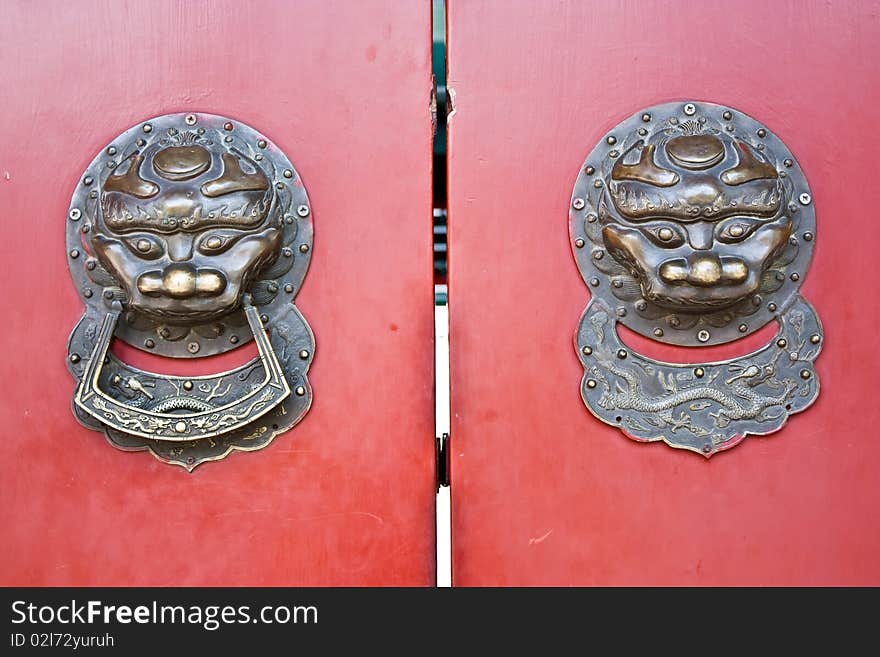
543, 492
346, 497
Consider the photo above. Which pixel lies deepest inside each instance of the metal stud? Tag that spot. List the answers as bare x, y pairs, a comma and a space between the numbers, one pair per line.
300, 391
578, 204
303, 211
690, 109
190, 119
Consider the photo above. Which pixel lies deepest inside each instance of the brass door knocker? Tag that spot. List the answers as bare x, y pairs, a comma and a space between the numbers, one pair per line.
188, 236
692, 224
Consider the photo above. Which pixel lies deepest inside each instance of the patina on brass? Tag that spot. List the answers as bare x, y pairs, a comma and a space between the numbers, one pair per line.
187, 237
692, 224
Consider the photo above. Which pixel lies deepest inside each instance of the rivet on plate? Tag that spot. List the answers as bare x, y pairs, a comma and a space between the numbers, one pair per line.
288, 173
262, 143
227, 138
808, 237
707, 448
611, 140
111, 150
579, 243
703, 336
187, 385
815, 338
190, 119
303, 248
761, 133
795, 276
591, 383
87, 293
589, 170
300, 391
288, 288
303, 211
727, 115
304, 354
622, 353
646, 117
690, 109
193, 347
228, 126
578, 204
658, 332
771, 307
147, 127
594, 282
788, 162
233, 339
743, 328
264, 318
74, 253
699, 372
88, 180
75, 214
149, 344
781, 343
804, 199
805, 374
180, 427
74, 358
587, 350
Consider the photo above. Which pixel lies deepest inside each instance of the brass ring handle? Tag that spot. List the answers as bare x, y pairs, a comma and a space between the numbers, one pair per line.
158, 425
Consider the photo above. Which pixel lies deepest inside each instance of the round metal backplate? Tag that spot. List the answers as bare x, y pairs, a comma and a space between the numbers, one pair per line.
619, 287
274, 287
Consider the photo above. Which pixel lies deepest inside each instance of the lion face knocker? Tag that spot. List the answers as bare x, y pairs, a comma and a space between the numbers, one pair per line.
693, 225
189, 236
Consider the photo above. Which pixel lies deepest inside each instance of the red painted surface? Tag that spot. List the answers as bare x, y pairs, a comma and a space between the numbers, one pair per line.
347, 496
543, 493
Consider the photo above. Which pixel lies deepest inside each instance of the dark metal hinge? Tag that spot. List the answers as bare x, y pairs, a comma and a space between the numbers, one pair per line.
442, 443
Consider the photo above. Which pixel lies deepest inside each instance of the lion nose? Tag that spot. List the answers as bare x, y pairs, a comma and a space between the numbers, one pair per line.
704, 270
182, 281
179, 281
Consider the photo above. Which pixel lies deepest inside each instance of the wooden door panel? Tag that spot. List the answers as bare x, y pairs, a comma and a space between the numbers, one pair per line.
346, 497
543, 493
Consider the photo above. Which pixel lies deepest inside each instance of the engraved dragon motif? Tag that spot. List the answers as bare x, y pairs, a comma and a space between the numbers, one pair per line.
740, 401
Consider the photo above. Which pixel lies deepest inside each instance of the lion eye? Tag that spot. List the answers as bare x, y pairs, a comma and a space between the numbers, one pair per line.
145, 247
214, 243
665, 236
736, 231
